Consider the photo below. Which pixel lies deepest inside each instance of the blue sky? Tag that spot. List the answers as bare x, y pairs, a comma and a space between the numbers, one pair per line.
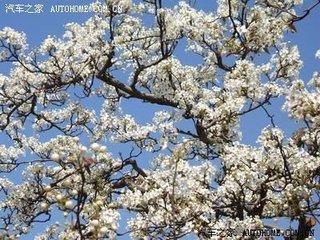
38, 26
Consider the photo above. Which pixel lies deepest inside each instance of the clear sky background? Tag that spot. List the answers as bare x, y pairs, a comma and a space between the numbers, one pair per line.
38, 26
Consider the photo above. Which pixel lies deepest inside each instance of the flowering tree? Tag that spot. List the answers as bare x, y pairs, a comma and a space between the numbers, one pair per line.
201, 176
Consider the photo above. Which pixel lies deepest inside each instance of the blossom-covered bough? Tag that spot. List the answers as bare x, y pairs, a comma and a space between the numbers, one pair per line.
62, 105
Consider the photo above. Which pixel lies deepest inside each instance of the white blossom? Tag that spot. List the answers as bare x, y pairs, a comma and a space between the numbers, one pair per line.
74, 147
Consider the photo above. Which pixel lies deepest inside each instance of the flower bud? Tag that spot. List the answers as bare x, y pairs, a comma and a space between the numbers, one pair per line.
55, 157
95, 147
44, 206
95, 223
68, 204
